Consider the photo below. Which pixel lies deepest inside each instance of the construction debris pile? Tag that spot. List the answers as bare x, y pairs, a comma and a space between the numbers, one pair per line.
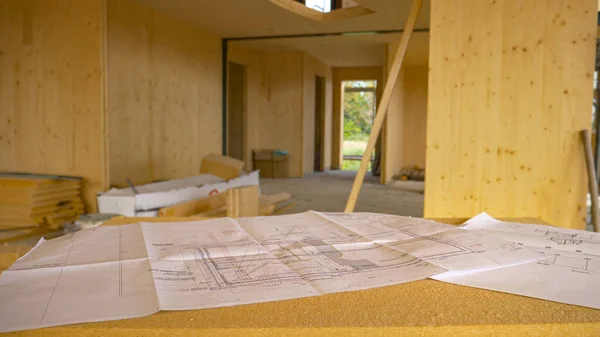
32, 206
222, 189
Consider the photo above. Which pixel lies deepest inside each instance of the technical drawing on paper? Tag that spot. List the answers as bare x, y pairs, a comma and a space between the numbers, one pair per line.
135, 270
576, 262
214, 267
292, 260
445, 245
97, 274
538, 236
569, 273
567, 238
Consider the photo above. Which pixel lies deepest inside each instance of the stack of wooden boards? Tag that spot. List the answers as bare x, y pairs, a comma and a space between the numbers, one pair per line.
236, 202
29, 200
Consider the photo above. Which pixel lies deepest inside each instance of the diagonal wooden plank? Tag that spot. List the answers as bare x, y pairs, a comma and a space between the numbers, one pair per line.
383, 104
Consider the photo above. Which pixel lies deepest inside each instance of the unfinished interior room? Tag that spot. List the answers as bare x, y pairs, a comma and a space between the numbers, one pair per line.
299, 167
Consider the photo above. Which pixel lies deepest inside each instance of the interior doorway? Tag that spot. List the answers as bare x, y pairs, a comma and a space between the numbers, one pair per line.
359, 107
236, 111
319, 123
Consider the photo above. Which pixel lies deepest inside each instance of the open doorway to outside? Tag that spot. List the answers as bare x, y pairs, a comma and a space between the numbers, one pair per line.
236, 111
359, 106
319, 123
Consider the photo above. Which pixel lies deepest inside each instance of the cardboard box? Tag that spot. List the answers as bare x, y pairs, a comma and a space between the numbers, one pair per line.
271, 163
263, 162
281, 166
151, 197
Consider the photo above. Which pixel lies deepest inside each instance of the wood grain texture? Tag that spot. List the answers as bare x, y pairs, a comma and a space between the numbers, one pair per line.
415, 115
164, 94
242, 202
392, 134
341, 74
311, 68
52, 116
405, 129
244, 18
510, 85
195, 206
274, 101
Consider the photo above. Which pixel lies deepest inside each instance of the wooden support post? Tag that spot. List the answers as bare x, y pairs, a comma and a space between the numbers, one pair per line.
593, 182
384, 103
242, 202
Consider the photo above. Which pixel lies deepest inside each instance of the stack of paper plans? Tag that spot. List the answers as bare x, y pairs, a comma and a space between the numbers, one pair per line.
569, 272
114, 272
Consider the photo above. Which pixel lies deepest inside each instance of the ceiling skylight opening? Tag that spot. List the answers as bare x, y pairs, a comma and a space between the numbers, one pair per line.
326, 6
324, 10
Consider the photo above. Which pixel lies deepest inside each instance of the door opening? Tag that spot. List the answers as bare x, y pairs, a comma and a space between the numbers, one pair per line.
319, 123
236, 111
359, 107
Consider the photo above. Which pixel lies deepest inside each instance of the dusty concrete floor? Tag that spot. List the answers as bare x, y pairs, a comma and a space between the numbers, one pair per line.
329, 192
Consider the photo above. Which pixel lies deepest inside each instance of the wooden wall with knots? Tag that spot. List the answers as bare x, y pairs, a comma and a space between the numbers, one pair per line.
510, 86
52, 116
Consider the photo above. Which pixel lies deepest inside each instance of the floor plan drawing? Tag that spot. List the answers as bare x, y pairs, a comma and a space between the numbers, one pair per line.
582, 263
58, 277
331, 257
539, 236
563, 238
135, 270
445, 245
202, 265
569, 273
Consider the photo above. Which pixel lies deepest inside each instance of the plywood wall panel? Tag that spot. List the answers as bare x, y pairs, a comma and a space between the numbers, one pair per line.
164, 94
415, 116
510, 86
275, 96
281, 116
393, 125
51, 90
406, 127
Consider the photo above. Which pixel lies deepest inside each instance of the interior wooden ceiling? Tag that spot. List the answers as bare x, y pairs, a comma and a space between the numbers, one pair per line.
349, 51
256, 18
248, 18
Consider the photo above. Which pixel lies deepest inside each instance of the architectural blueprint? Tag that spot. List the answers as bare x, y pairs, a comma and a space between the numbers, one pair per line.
135, 270
446, 246
568, 273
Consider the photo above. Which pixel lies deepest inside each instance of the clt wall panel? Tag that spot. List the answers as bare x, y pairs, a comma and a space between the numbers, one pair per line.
274, 91
393, 126
415, 115
164, 94
405, 126
51, 90
510, 86
281, 115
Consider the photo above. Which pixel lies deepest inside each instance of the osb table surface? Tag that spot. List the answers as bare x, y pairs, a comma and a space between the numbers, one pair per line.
424, 307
